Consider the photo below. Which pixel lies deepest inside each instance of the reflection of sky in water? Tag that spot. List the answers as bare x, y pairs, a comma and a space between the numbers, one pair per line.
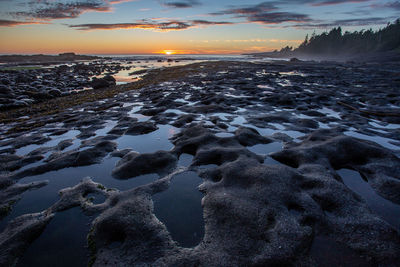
151, 142
185, 160
108, 125
385, 142
53, 142
329, 112
179, 208
390, 126
265, 150
386, 209
224, 134
62, 243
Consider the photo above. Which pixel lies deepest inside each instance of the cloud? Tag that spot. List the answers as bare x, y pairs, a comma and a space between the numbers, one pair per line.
265, 13
334, 2
317, 2
173, 25
51, 10
272, 12
278, 17
209, 23
248, 10
391, 5
112, 2
12, 23
182, 4
345, 22
163, 26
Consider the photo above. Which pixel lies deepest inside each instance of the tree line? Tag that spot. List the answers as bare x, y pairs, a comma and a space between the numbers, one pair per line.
364, 41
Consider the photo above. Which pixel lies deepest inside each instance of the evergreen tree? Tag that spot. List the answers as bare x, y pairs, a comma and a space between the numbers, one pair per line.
364, 41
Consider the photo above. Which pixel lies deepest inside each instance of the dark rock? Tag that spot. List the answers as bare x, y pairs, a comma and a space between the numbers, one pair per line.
139, 128
250, 137
10, 193
57, 160
99, 83
19, 234
5, 89
295, 60
134, 164
55, 92
110, 79
325, 147
184, 119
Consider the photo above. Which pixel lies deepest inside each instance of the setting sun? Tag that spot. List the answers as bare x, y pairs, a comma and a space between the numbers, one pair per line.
169, 52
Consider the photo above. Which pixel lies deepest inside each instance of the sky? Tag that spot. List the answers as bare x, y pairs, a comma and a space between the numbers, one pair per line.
178, 26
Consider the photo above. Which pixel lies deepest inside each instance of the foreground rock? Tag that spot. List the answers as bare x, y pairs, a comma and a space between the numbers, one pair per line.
59, 161
19, 234
285, 212
134, 164
225, 123
106, 81
326, 148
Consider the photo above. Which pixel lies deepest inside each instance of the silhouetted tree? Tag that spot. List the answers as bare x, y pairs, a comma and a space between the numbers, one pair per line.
335, 42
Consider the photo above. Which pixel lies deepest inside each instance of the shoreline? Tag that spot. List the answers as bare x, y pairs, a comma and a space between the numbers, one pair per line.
59, 104
376, 57
45, 59
152, 77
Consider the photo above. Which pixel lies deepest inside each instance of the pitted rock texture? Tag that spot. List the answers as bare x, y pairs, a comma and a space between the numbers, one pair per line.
134, 164
255, 214
334, 151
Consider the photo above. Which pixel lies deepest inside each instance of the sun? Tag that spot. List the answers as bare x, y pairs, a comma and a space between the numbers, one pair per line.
169, 52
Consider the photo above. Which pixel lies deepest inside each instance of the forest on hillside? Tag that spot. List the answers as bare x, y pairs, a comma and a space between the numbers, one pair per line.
337, 43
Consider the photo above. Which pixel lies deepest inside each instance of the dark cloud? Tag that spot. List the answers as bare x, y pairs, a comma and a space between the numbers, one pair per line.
391, 5
12, 23
358, 12
163, 26
47, 10
333, 2
271, 12
150, 25
265, 13
345, 22
317, 2
211, 23
248, 10
182, 4
119, 1
278, 17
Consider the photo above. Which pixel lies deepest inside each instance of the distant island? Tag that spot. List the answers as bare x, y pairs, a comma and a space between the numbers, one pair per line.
45, 58
364, 45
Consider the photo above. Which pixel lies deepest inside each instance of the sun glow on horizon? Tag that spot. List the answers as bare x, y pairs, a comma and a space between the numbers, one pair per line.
169, 52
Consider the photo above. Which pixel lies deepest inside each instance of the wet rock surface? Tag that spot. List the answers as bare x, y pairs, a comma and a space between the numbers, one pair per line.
22, 86
226, 123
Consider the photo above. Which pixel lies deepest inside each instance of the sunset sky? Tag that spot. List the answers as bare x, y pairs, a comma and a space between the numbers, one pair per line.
181, 26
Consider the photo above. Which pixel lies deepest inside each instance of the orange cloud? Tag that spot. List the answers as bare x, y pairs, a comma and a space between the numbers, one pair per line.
13, 23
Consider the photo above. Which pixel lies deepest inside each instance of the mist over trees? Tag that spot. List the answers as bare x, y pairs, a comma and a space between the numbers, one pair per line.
336, 42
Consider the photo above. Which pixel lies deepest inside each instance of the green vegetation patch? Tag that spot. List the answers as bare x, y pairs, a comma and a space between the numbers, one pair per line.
21, 68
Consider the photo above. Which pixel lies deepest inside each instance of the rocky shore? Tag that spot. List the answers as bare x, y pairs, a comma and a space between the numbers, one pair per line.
273, 145
45, 59
21, 86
